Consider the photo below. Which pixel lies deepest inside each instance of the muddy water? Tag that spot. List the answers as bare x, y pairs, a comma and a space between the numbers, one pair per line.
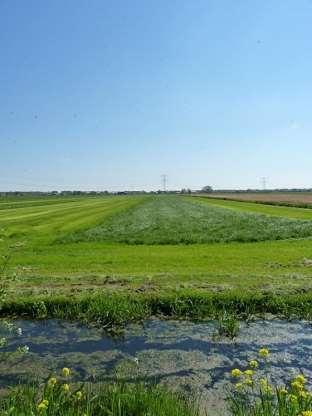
181, 355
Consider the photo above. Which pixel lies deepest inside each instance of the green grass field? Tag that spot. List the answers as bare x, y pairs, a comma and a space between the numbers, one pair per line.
172, 220
74, 245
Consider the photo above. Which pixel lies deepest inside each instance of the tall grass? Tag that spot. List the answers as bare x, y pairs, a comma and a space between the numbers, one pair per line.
62, 399
117, 310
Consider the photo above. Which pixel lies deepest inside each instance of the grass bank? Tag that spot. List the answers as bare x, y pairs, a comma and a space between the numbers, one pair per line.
59, 398
116, 310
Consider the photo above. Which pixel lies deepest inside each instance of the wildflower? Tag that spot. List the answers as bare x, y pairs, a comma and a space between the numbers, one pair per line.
66, 372
248, 373
293, 399
303, 394
300, 378
296, 385
19, 331
265, 386
239, 386
263, 382
79, 395
52, 381
42, 406
236, 372
65, 388
136, 360
264, 352
253, 364
248, 382
283, 391
307, 413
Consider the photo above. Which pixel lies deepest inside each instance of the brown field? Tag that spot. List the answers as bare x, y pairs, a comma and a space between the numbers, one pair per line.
276, 197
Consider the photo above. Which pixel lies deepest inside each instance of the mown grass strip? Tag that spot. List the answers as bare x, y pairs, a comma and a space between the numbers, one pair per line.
260, 207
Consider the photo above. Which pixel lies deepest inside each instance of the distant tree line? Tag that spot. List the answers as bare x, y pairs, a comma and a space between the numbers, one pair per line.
206, 189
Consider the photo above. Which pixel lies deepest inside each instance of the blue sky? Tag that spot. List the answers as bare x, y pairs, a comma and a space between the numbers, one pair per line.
110, 94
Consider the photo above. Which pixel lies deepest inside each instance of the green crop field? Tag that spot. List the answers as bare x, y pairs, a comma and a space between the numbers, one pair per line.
154, 244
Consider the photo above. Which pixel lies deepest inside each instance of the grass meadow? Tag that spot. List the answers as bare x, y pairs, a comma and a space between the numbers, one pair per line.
152, 245
119, 259
172, 220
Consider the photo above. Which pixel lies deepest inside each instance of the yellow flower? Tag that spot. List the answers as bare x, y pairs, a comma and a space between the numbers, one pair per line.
293, 399
296, 385
300, 378
264, 352
263, 382
303, 394
236, 372
253, 364
66, 372
283, 391
248, 382
307, 413
265, 386
248, 373
43, 406
79, 395
239, 386
52, 381
65, 387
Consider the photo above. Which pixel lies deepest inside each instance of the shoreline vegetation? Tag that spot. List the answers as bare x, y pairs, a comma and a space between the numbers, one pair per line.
116, 310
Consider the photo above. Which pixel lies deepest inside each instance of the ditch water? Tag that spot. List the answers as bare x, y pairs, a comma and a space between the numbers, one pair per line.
181, 355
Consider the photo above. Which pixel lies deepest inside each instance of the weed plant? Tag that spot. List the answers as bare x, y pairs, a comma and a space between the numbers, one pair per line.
58, 397
253, 395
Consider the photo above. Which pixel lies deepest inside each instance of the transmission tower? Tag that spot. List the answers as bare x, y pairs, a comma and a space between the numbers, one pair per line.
164, 179
264, 183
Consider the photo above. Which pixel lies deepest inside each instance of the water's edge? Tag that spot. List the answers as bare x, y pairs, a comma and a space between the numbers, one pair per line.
179, 354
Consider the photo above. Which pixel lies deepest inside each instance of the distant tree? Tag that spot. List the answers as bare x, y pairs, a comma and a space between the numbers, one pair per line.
207, 189
185, 191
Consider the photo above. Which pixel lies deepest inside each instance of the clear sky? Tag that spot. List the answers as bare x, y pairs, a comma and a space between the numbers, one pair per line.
110, 94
